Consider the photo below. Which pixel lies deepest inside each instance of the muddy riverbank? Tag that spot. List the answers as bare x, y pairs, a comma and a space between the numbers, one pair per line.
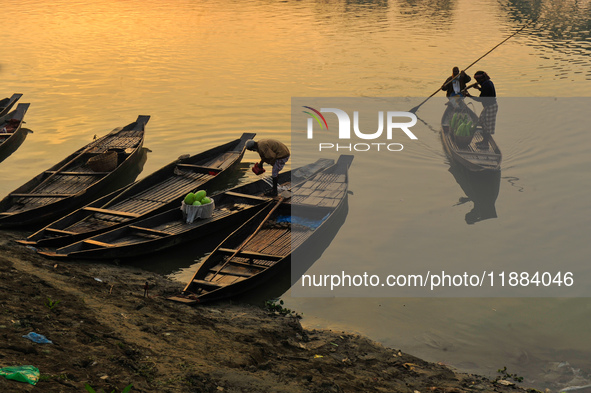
106, 334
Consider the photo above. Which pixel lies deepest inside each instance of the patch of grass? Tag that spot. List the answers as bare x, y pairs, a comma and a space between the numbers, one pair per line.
508, 376
276, 305
51, 304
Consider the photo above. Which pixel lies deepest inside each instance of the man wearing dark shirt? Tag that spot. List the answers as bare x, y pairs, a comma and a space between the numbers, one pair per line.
455, 83
488, 116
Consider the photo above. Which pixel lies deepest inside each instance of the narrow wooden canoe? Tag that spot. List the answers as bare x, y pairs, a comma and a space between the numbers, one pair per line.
470, 156
167, 229
251, 255
160, 191
72, 182
12, 134
6, 104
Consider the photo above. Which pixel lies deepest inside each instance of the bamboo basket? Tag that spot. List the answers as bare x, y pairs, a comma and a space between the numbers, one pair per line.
463, 141
105, 162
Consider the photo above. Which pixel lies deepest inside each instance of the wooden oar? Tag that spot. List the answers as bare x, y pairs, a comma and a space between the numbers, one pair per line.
249, 238
416, 108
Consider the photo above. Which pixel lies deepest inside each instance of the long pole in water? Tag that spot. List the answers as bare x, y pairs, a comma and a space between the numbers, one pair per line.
416, 108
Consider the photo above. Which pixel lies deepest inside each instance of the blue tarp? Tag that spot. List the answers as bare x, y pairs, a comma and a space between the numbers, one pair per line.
312, 224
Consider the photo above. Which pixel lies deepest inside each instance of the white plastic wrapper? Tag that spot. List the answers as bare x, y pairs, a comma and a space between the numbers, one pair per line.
191, 213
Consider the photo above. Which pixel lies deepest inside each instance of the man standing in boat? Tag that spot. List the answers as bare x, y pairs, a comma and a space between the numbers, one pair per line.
488, 116
456, 83
273, 153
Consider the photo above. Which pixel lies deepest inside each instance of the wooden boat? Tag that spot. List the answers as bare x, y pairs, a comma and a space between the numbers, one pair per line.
6, 104
160, 191
473, 158
72, 182
251, 255
167, 229
12, 134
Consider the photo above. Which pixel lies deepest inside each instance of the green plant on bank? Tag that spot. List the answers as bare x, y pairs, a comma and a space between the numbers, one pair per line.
506, 376
274, 306
90, 389
51, 304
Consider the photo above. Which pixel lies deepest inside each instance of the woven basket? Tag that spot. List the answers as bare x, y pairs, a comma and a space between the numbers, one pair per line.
104, 162
463, 141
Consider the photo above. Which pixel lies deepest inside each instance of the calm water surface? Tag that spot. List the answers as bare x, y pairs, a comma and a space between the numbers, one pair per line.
208, 71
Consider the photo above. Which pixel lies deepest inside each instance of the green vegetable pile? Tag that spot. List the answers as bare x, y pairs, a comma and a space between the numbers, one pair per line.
197, 199
461, 124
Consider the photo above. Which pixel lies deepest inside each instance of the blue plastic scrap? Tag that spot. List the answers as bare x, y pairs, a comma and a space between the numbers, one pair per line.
306, 222
38, 338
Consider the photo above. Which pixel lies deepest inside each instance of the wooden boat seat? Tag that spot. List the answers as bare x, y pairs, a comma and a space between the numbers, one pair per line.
480, 152
483, 161
97, 243
206, 283
182, 300
77, 173
238, 194
60, 231
246, 264
150, 231
16, 195
250, 254
231, 273
111, 212
199, 168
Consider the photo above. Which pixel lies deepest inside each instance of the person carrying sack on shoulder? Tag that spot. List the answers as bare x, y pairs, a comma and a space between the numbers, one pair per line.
273, 153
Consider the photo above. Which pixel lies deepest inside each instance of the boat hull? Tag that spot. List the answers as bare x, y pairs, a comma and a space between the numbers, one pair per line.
470, 156
10, 143
154, 194
28, 207
264, 245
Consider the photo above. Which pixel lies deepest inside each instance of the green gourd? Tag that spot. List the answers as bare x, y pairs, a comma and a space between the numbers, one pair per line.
199, 195
189, 199
459, 129
454, 121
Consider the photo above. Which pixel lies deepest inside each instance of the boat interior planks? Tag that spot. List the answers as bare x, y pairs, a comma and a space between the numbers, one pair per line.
77, 179
153, 194
169, 228
253, 253
474, 157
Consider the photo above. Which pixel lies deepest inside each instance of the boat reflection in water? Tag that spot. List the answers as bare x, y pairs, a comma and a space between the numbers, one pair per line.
482, 188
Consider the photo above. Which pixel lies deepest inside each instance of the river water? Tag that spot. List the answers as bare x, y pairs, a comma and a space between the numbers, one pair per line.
208, 71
